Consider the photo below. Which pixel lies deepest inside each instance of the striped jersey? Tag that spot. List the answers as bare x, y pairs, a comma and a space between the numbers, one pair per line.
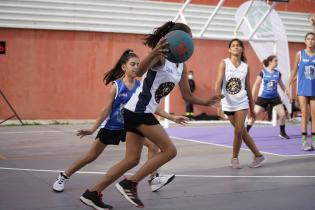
233, 87
306, 75
115, 121
156, 83
269, 85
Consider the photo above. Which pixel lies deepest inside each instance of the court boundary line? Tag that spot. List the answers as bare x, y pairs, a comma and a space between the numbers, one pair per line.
177, 175
222, 145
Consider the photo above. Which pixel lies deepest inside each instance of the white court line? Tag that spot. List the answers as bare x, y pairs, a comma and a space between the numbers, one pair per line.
226, 146
26, 132
177, 175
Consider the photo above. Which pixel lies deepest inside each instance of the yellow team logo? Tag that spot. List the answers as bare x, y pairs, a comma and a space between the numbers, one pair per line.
233, 86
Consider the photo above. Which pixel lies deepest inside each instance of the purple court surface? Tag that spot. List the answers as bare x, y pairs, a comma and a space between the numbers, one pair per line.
265, 137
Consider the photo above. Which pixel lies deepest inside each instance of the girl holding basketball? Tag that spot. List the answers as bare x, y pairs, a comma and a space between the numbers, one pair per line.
159, 76
123, 83
304, 70
233, 77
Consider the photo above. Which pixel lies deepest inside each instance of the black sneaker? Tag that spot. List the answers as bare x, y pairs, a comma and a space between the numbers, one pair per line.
283, 135
129, 190
94, 199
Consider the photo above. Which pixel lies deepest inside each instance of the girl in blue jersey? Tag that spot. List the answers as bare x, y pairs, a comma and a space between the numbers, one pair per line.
304, 70
268, 80
233, 82
122, 85
159, 77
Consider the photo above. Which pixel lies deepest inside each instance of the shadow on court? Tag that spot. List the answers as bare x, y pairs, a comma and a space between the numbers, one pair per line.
32, 156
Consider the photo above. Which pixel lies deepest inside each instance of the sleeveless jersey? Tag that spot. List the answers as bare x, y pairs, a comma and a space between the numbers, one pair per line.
269, 85
115, 121
233, 87
306, 75
156, 83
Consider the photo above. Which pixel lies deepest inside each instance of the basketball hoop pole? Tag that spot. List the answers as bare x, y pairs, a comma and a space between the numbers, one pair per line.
12, 109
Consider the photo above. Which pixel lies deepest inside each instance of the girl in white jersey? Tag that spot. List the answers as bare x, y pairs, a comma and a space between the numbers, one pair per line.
159, 76
304, 71
233, 82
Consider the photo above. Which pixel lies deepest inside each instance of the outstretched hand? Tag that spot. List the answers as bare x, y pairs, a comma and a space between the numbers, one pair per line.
84, 132
180, 119
214, 100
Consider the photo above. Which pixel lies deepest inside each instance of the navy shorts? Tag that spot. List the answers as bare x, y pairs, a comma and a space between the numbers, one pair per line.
264, 102
111, 137
134, 119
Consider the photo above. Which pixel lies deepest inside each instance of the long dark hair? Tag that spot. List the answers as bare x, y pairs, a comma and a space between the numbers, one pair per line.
116, 72
268, 59
243, 57
151, 40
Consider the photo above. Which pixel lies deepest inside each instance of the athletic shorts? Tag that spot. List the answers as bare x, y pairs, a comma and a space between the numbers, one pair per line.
231, 113
264, 102
134, 119
111, 137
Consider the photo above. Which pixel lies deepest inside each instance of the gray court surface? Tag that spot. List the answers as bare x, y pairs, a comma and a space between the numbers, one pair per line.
32, 156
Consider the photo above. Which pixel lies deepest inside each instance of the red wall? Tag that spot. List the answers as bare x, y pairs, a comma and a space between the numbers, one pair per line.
49, 74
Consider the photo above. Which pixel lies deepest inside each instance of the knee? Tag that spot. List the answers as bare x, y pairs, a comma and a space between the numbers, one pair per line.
238, 132
171, 152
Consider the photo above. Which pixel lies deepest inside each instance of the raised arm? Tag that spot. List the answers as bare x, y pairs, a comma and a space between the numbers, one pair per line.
155, 58
105, 112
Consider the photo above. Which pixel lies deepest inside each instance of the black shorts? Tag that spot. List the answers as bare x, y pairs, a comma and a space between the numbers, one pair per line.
134, 119
231, 113
113, 137
264, 102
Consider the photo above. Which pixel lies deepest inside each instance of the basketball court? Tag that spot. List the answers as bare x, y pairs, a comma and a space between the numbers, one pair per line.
32, 157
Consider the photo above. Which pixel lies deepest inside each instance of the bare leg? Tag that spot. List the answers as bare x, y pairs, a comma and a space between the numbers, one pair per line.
239, 117
281, 113
257, 110
134, 144
304, 110
96, 149
152, 150
312, 105
159, 137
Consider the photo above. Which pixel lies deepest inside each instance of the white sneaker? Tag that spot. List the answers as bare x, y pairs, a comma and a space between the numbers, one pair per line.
235, 163
257, 162
306, 147
158, 181
59, 184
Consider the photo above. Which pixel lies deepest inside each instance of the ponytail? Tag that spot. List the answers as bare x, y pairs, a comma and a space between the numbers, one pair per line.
151, 40
117, 72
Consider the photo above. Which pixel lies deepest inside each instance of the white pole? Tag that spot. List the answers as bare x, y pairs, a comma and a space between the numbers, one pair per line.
274, 118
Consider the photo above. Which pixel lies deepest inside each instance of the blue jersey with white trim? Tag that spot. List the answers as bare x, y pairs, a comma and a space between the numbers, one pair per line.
115, 121
269, 85
306, 75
